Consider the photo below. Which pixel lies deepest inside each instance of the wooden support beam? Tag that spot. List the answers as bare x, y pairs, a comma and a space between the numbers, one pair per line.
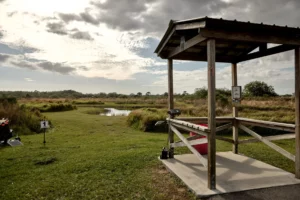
193, 142
193, 137
211, 73
267, 142
270, 138
235, 129
297, 110
267, 124
223, 127
198, 57
265, 52
184, 45
250, 37
171, 104
224, 139
192, 149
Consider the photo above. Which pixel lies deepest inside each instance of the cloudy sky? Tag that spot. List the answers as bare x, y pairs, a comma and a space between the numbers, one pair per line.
107, 46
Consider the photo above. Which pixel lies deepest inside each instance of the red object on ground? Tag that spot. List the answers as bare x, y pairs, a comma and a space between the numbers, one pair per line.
201, 148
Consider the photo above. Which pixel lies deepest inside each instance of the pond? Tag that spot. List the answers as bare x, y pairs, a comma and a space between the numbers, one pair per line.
115, 112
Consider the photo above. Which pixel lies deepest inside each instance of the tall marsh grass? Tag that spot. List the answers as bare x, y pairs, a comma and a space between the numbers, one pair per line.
23, 120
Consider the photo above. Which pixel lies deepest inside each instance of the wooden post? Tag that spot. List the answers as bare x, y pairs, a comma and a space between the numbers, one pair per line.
211, 58
235, 130
171, 104
297, 110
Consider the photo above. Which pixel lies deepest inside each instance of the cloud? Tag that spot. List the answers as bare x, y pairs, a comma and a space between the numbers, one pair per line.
56, 67
86, 17
83, 17
81, 35
57, 28
68, 17
29, 79
33, 64
2, 1
24, 64
3, 57
152, 16
130, 31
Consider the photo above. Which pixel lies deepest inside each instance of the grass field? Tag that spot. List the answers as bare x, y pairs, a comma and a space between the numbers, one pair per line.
97, 157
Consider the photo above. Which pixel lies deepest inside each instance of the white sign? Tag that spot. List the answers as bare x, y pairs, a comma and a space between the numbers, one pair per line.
236, 92
44, 124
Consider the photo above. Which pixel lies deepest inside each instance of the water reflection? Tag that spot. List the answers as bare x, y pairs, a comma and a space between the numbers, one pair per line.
115, 112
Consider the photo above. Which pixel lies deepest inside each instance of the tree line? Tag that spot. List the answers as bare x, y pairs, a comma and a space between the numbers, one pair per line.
252, 89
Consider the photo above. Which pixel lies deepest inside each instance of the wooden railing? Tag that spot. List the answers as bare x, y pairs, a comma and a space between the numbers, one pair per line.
188, 124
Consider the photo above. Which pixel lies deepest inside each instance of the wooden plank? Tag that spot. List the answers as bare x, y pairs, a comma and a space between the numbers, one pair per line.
191, 125
267, 124
223, 127
166, 41
188, 26
171, 104
249, 36
297, 110
270, 138
193, 142
186, 45
211, 73
205, 119
235, 129
267, 142
266, 52
192, 149
189, 129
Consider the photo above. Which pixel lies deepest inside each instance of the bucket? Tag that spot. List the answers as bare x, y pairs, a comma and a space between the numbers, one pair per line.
201, 148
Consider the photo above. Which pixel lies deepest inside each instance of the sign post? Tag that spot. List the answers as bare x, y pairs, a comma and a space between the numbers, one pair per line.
44, 125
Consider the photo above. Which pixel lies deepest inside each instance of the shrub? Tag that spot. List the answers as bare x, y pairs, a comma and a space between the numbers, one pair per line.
57, 107
259, 88
23, 120
145, 119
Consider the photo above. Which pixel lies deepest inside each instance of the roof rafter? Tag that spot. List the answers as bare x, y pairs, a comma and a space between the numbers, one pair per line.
266, 52
186, 45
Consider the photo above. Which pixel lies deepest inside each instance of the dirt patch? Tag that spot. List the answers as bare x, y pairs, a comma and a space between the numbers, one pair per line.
46, 161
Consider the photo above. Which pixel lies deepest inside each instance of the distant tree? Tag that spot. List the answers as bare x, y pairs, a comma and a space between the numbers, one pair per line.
139, 94
102, 95
148, 93
184, 93
259, 89
223, 92
165, 94
201, 92
112, 95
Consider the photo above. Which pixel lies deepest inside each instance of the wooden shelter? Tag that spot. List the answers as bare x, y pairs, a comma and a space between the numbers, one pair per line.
217, 40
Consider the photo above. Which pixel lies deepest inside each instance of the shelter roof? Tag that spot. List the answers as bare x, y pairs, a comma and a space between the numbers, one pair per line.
235, 40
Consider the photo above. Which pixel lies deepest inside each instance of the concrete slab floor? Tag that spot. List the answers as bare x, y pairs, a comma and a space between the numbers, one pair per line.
234, 173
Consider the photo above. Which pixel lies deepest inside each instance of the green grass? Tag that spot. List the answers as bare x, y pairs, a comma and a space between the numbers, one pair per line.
98, 157
87, 157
